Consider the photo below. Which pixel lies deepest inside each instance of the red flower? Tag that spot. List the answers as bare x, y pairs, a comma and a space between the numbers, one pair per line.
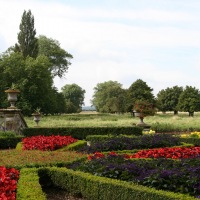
8, 183
47, 143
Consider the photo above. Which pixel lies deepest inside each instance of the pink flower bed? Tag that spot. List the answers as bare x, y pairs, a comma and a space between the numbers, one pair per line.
8, 183
47, 143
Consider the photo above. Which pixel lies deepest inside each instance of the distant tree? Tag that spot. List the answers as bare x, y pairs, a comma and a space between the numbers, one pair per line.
27, 41
189, 100
61, 104
59, 58
74, 97
167, 100
109, 97
139, 90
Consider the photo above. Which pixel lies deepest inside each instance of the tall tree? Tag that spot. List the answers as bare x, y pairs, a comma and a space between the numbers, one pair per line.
74, 97
167, 100
139, 90
189, 100
109, 97
59, 58
27, 41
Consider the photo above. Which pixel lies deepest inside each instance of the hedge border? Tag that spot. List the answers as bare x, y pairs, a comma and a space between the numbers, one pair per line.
82, 132
28, 186
101, 188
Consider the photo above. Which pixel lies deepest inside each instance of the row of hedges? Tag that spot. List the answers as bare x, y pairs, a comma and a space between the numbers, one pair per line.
167, 127
82, 132
86, 185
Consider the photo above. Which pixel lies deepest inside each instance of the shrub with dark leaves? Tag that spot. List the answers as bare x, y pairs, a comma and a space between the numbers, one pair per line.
128, 143
173, 175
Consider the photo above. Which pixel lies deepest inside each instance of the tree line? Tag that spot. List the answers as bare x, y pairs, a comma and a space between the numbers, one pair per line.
33, 62
110, 97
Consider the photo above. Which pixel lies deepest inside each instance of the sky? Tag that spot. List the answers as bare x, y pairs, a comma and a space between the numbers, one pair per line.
157, 41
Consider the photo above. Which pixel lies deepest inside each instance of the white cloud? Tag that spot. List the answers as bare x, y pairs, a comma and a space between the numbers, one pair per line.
109, 44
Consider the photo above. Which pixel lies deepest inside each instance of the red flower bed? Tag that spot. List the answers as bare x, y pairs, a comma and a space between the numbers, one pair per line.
8, 183
167, 152
174, 153
47, 143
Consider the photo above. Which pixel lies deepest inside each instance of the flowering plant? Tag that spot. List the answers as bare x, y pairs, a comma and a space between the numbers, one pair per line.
144, 107
8, 185
174, 153
47, 143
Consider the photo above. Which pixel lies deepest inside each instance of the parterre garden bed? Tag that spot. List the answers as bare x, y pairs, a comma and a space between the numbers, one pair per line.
154, 166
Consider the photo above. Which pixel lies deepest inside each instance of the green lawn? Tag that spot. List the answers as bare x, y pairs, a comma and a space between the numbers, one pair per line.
87, 120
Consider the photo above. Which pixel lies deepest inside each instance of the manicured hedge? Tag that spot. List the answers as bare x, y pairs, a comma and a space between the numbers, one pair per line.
82, 132
99, 188
28, 186
9, 142
194, 141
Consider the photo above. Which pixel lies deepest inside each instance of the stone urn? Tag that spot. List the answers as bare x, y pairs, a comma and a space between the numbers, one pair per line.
12, 97
141, 117
36, 117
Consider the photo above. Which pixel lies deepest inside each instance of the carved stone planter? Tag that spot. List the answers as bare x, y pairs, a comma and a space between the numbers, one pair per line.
36, 117
12, 96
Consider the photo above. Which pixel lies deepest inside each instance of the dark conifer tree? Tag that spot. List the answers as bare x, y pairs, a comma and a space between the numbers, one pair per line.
27, 42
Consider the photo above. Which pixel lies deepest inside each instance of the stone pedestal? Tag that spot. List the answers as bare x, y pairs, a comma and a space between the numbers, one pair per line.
11, 119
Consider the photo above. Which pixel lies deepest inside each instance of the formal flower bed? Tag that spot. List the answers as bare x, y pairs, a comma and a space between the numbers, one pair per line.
177, 175
10, 158
174, 153
47, 143
8, 183
139, 142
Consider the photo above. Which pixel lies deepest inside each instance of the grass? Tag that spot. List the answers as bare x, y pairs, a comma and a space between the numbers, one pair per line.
110, 120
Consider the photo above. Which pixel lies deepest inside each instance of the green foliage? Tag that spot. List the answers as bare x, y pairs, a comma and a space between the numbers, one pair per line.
97, 188
58, 57
33, 72
109, 97
167, 100
82, 132
139, 90
28, 43
19, 146
193, 141
7, 134
74, 97
189, 100
74, 146
28, 186
9, 141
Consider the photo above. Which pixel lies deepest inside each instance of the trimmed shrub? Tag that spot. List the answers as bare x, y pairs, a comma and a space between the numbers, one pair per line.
28, 186
9, 142
99, 188
82, 132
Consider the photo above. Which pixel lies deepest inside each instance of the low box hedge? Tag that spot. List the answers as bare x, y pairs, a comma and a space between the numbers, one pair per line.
28, 186
9, 142
99, 188
194, 141
82, 132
